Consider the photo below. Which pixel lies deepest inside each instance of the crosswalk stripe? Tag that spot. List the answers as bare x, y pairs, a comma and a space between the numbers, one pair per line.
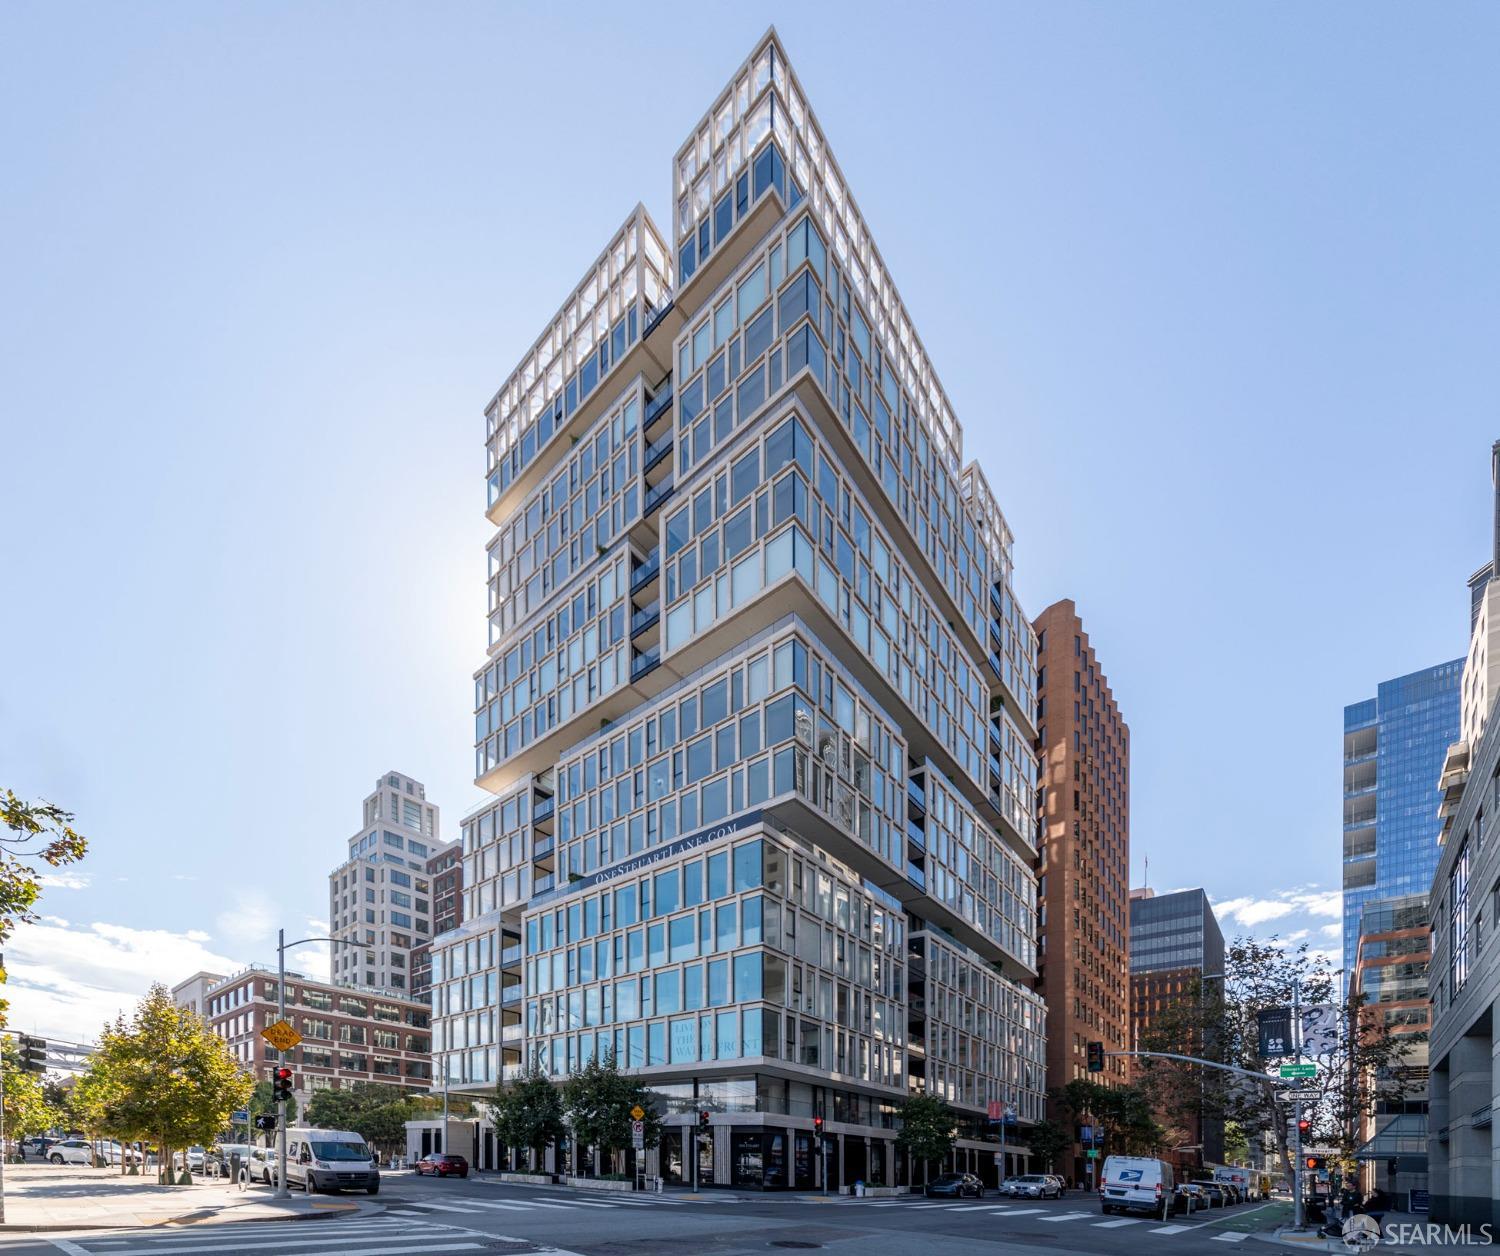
1066, 1216
1110, 1225
167, 1242
542, 1203
1171, 1229
970, 1208
1230, 1238
427, 1246
1015, 1212
589, 1203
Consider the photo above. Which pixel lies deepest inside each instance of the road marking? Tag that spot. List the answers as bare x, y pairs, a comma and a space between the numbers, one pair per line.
589, 1203
1171, 1229
539, 1203
1230, 1238
970, 1207
263, 1229
1066, 1216
1015, 1212
168, 1241
62, 1245
1110, 1225
344, 1251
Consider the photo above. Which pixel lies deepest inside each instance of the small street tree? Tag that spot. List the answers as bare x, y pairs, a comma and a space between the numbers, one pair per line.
598, 1101
27, 1110
33, 834
927, 1130
1047, 1140
528, 1112
1365, 1065
165, 1075
1124, 1115
376, 1112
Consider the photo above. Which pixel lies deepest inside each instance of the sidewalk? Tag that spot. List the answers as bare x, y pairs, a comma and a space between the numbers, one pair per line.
714, 1195
1393, 1227
70, 1197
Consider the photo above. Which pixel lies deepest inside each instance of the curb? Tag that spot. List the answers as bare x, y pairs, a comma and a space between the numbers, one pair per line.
187, 1222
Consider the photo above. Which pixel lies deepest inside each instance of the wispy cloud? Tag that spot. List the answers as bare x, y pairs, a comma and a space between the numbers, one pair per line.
1300, 901
67, 980
63, 881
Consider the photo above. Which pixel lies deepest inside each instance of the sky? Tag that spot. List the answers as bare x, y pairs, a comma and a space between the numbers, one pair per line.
1213, 289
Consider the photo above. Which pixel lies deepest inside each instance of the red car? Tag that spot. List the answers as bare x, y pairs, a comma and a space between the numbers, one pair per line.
443, 1166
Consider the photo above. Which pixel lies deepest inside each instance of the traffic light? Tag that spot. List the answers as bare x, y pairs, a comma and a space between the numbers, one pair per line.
818, 1126
1315, 1162
1096, 1057
33, 1054
281, 1085
266, 1121
1304, 1127
703, 1118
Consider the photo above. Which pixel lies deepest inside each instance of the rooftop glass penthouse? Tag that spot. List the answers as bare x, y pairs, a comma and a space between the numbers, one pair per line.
757, 704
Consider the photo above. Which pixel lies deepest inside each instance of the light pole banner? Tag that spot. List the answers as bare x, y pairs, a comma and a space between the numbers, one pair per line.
1322, 1030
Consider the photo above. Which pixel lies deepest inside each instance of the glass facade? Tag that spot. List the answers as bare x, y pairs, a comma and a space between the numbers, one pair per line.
1394, 746
756, 709
1172, 931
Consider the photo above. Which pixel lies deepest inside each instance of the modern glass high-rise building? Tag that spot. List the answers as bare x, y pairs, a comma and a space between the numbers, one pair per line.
1394, 745
757, 706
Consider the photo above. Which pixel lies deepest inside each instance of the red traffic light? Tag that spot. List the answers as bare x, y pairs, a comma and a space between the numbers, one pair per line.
282, 1074
1312, 1162
281, 1084
703, 1118
1303, 1126
817, 1125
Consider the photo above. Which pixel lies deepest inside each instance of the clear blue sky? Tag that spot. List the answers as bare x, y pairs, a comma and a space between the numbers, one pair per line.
1214, 290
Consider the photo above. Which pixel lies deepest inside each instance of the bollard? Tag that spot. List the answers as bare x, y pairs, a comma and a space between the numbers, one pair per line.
859, 1188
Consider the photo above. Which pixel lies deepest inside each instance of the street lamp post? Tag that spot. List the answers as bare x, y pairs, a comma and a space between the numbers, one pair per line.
281, 945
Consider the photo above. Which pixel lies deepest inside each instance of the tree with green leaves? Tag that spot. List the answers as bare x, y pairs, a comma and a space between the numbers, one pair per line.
164, 1074
598, 1100
376, 1112
1047, 1140
528, 1112
27, 1110
34, 834
1366, 1066
928, 1128
1123, 1114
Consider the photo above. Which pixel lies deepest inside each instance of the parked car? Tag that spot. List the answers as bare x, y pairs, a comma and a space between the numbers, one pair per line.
954, 1186
38, 1145
82, 1151
1062, 1182
1011, 1186
1137, 1184
1039, 1186
441, 1164
263, 1165
330, 1160
1190, 1198
1215, 1192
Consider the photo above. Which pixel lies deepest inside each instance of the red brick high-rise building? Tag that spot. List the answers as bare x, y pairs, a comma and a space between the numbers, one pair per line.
1083, 861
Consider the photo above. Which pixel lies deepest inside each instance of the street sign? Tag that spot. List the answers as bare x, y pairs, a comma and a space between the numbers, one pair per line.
240, 1116
1299, 1070
1092, 1153
638, 1132
1300, 1096
636, 1113
281, 1035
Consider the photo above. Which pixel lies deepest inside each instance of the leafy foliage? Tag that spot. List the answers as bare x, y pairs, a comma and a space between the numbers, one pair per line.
598, 1100
1047, 1140
37, 832
377, 1113
1365, 1067
927, 1127
1124, 1114
528, 1112
164, 1075
28, 1110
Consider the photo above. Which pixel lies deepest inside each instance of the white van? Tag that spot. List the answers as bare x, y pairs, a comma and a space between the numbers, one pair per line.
1137, 1184
330, 1160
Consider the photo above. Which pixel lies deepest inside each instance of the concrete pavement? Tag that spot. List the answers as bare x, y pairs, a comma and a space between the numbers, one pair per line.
42, 1197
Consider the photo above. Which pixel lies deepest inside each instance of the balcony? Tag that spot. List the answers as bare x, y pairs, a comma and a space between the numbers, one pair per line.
1483, 1117
656, 453
540, 885
645, 661
512, 1033
916, 876
541, 847
541, 809
511, 994
510, 957
645, 617
646, 571
656, 496
653, 320
916, 794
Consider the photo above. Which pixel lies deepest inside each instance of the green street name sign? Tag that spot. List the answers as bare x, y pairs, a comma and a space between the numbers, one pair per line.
1092, 1153
1299, 1070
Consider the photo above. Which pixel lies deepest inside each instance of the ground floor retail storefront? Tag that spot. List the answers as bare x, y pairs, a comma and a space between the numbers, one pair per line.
742, 1155
769, 1157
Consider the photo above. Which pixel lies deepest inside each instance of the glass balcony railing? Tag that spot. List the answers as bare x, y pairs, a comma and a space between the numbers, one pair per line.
644, 617
656, 451
656, 496
644, 662
646, 572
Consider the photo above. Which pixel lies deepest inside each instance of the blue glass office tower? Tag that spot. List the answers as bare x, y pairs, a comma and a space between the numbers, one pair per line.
1393, 754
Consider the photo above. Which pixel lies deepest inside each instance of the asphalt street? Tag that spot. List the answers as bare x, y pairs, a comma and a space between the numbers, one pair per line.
427, 1215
